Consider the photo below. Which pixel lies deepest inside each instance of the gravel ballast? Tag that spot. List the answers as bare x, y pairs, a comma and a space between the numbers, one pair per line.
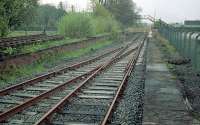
129, 110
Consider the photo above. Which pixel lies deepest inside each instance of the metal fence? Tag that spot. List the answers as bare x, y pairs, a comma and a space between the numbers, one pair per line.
186, 39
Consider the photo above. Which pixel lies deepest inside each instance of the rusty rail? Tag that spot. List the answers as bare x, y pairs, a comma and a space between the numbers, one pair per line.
14, 110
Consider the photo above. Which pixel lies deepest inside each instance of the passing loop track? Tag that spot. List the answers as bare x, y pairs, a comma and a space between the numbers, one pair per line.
79, 83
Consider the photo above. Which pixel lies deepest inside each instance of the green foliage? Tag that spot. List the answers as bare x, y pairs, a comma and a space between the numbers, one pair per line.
10, 51
26, 14
100, 10
48, 15
85, 24
3, 27
82, 51
103, 20
105, 25
125, 11
14, 13
171, 49
157, 24
75, 25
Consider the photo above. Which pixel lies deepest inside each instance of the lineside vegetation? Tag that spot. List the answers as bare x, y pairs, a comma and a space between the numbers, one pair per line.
30, 15
83, 24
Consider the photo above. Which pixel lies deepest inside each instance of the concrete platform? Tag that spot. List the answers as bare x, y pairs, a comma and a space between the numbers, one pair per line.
163, 101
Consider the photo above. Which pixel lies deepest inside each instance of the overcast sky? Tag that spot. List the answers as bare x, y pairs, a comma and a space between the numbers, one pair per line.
168, 10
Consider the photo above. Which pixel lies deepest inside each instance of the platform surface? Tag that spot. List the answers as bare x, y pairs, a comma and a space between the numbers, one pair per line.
163, 103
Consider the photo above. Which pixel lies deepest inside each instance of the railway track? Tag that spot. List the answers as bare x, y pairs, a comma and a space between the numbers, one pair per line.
25, 40
17, 97
28, 102
92, 101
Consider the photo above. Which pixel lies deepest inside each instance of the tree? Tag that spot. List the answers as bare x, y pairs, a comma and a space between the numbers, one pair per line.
3, 21
14, 13
28, 13
61, 6
61, 10
125, 11
45, 13
48, 15
3, 27
107, 2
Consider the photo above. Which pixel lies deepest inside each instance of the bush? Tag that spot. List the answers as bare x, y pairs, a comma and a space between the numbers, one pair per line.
103, 21
101, 11
75, 25
105, 25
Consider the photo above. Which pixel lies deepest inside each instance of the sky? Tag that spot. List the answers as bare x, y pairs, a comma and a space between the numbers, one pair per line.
171, 10
168, 10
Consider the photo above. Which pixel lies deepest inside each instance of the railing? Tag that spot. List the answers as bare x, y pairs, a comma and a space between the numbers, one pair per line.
186, 39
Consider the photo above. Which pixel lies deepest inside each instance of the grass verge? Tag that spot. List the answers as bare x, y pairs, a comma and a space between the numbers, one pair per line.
170, 48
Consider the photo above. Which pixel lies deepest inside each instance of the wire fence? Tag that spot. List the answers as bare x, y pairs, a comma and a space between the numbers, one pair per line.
186, 39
